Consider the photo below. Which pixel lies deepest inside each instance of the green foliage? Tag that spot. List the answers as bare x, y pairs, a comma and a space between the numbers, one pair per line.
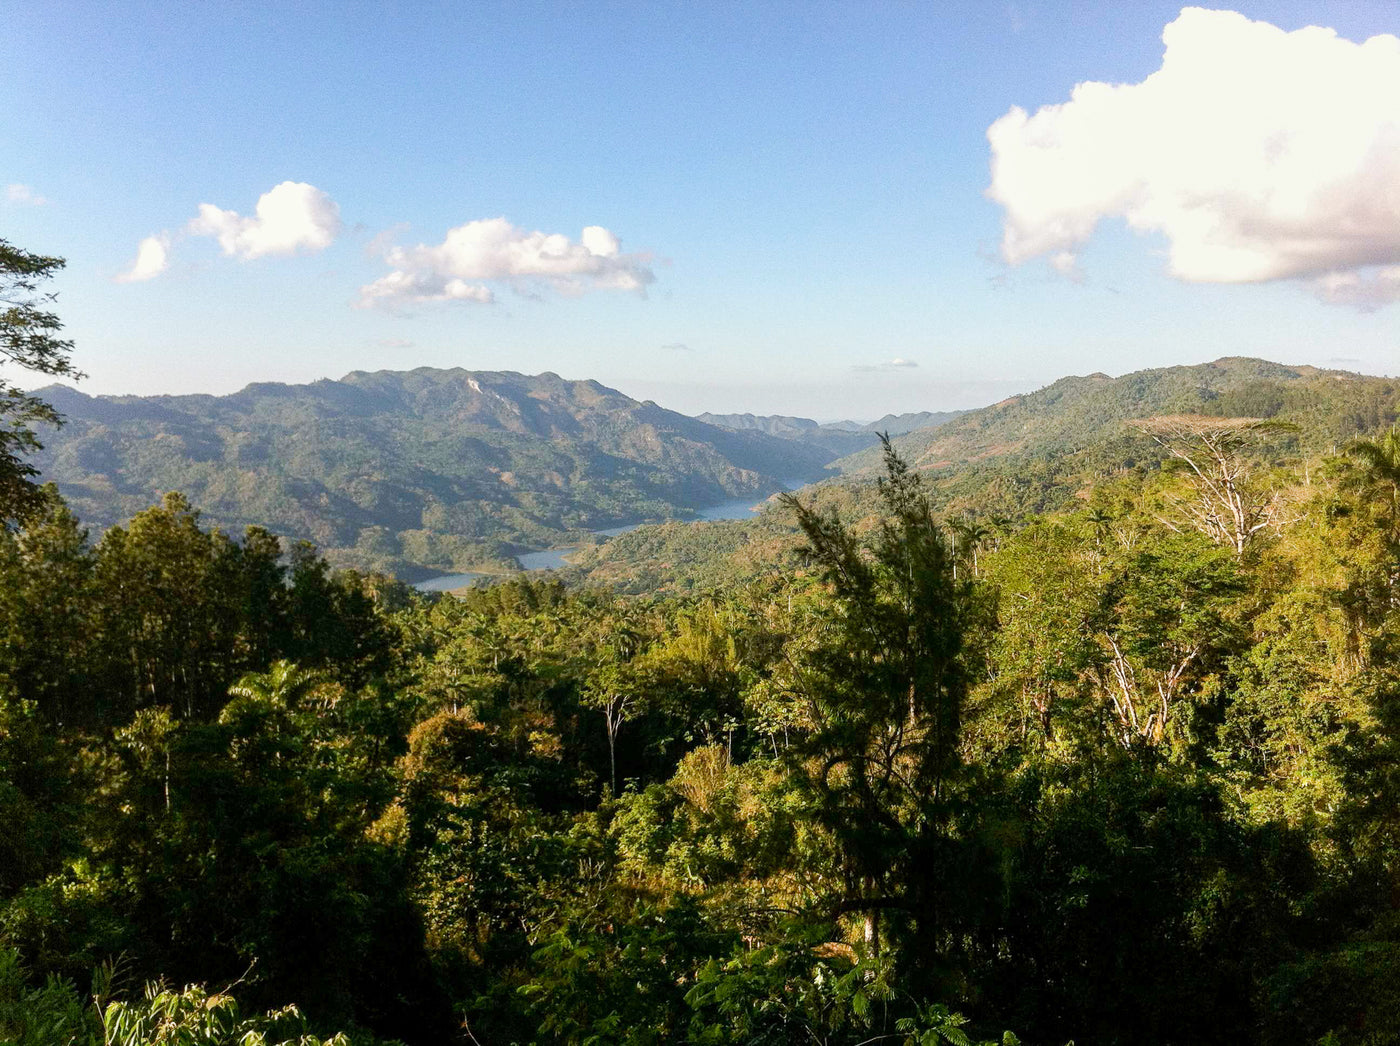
28, 339
51, 1014
55, 1015
1035, 453
1091, 775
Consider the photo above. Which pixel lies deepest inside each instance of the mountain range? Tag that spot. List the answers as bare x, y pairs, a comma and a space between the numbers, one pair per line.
425, 468
431, 470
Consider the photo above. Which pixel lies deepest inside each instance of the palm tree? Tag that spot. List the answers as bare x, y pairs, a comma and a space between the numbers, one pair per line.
972, 534
283, 685
1100, 521
1001, 527
1381, 461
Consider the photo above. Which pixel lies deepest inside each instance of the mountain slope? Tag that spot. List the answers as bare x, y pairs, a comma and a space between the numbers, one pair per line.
1079, 416
434, 468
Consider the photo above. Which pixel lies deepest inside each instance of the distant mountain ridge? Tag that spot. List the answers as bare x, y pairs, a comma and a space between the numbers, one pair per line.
841, 437
434, 468
899, 424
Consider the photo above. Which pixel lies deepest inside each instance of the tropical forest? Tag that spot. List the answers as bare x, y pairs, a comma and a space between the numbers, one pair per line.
662, 523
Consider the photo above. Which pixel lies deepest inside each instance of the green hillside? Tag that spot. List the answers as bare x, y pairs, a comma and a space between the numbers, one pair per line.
1034, 453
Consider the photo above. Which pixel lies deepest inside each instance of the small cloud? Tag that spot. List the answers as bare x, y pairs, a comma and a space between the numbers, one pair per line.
290, 217
1066, 263
494, 250
1258, 154
24, 195
152, 259
898, 363
677, 346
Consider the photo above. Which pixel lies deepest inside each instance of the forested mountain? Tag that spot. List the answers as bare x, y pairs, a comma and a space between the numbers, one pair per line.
1076, 414
433, 468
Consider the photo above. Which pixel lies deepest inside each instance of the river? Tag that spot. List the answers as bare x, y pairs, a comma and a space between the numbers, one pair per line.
553, 558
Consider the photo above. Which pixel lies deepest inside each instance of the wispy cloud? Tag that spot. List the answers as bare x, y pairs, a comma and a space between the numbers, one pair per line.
1367, 291
677, 346
24, 195
1258, 154
898, 363
492, 250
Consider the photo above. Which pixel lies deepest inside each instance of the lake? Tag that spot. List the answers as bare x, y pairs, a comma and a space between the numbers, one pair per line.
553, 558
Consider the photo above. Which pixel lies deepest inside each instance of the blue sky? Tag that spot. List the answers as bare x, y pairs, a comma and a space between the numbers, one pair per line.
799, 192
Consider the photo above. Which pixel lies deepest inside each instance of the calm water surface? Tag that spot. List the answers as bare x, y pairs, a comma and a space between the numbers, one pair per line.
553, 558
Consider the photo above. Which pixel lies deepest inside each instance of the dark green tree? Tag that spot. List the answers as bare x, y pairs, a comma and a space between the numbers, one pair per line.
1380, 462
29, 340
882, 693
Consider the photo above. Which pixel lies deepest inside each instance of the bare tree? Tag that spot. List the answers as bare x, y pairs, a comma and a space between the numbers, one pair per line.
1229, 503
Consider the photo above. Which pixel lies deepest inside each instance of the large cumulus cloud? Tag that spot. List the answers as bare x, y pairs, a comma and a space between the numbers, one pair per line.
290, 217
1258, 154
478, 253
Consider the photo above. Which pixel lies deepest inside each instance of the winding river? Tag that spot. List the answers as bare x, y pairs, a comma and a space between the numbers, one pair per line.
553, 558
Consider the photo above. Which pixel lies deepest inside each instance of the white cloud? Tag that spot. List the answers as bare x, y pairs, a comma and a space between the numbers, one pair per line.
493, 249
23, 194
1258, 154
899, 363
676, 346
152, 259
290, 217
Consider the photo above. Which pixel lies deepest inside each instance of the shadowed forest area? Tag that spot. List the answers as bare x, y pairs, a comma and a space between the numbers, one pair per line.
1123, 773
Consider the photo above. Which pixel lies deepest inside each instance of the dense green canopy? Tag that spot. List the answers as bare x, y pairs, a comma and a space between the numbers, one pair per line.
1100, 775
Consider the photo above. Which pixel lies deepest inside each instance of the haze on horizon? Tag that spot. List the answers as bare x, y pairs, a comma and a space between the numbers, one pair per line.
835, 211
